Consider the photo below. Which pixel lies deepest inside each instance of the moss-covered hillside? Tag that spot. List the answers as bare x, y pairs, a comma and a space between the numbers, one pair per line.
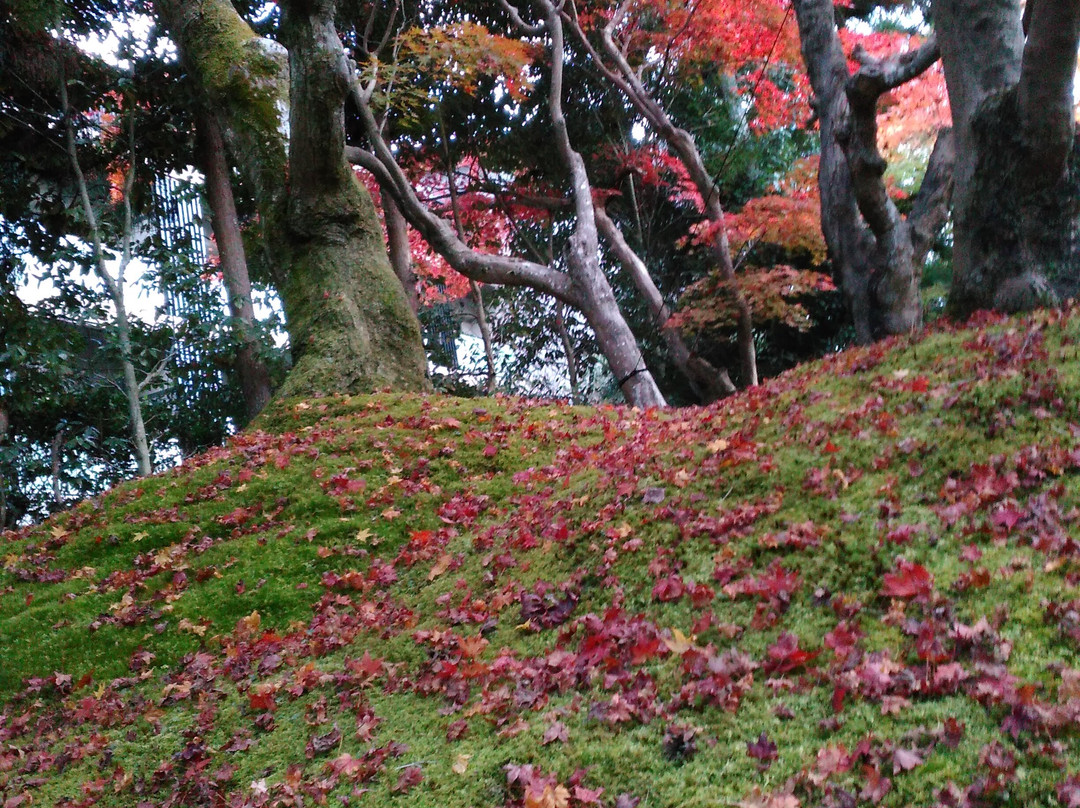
858, 584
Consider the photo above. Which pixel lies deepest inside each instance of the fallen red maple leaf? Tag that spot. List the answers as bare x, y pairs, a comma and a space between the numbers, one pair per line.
908, 581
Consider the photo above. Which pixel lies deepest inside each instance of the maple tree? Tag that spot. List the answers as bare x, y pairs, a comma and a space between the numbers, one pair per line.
877, 252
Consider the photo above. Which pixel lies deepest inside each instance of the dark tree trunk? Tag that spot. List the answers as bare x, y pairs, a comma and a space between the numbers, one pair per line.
397, 244
1016, 212
877, 254
254, 376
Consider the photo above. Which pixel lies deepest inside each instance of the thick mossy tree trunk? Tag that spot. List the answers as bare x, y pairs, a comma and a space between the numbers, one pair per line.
349, 321
350, 326
1010, 75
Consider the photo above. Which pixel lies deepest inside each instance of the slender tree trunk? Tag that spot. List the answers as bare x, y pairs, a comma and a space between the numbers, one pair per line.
681, 142
474, 287
568, 349
254, 376
708, 383
5, 425
613, 333
131, 387
397, 242
57, 457
485, 334
114, 286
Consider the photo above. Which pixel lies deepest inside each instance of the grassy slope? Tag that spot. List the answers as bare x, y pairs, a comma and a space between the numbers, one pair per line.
632, 602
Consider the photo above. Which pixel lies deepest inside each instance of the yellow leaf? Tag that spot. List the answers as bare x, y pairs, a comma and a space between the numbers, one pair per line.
187, 625
717, 445
679, 643
58, 532
441, 565
622, 530
303, 405
557, 797
142, 534
363, 535
461, 764
252, 622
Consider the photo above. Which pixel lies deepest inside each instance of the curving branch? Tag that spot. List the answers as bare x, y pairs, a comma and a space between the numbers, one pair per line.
615, 67
708, 383
442, 236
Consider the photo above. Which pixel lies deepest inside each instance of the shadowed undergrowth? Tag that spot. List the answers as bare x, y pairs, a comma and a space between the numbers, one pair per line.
856, 584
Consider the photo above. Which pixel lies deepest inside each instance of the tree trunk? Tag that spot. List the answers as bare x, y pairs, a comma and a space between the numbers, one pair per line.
254, 377
568, 349
1016, 213
397, 244
485, 336
708, 383
877, 254
113, 286
350, 326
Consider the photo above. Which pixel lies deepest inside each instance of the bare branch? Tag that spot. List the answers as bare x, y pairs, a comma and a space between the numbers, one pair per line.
515, 17
442, 236
878, 76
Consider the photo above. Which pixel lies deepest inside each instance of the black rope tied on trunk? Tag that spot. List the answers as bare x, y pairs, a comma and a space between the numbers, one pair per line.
632, 374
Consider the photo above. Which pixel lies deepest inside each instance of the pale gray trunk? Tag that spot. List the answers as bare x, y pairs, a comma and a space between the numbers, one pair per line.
113, 286
568, 350
613, 334
681, 142
708, 383
485, 335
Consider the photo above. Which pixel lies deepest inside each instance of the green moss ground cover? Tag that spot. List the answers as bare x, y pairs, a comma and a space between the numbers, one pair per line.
858, 584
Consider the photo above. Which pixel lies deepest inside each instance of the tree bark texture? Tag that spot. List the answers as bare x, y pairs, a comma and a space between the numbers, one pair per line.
1016, 217
613, 333
400, 253
350, 326
254, 376
877, 254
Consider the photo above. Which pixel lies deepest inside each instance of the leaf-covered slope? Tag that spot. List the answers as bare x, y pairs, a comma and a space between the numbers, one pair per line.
857, 584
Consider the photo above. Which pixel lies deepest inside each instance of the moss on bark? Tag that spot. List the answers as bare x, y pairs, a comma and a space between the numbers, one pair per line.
348, 320
352, 330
